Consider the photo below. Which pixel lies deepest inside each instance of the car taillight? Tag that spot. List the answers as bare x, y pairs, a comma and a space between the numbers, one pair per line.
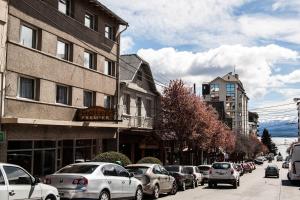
294, 168
80, 181
47, 181
210, 171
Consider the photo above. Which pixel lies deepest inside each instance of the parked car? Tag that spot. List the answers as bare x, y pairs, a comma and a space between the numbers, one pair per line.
204, 170
183, 179
239, 168
223, 172
259, 161
16, 183
155, 178
272, 170
246, 168
294, 168
279, 158
285, 164
196, 173
95, 180
252, 165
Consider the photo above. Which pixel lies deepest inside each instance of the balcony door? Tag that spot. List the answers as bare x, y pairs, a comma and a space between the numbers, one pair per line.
139, 111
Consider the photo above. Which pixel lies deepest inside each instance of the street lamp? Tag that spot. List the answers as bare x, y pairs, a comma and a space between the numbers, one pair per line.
297, 100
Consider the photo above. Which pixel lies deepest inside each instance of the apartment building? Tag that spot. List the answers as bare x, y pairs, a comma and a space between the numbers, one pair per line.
139, 102
230, 91
59, 83
253, 123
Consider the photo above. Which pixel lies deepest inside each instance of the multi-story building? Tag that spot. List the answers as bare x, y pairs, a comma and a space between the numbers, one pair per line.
230, 91
253, 123
139, 101
59, 84
297, 101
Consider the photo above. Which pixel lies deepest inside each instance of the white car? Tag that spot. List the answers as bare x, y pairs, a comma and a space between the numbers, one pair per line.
196, 173
204, 170
225, 173
16, 183
294, 167
96, 180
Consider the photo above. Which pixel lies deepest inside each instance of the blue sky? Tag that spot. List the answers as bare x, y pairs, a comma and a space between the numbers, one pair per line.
199, 40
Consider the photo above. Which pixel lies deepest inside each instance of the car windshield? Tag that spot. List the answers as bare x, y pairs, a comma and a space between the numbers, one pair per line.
137, 170
78, 169
204, 168
272, 168
188, 170
172, 168
221, 166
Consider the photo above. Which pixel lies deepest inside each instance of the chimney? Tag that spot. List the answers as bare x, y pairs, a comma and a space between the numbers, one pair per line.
236, 76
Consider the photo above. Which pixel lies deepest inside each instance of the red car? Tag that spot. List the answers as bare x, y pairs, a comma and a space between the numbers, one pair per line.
246, 167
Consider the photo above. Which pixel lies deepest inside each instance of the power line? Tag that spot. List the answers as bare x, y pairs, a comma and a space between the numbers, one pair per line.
275, 106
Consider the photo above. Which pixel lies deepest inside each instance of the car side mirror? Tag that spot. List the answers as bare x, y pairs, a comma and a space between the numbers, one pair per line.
131, 175
36, 180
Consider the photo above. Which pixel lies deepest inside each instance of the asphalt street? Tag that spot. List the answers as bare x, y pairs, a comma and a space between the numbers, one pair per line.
253, 187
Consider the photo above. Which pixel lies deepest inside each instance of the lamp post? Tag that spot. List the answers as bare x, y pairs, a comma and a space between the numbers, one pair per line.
297, 101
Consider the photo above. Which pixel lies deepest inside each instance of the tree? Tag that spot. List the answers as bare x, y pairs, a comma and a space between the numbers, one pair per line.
267, 140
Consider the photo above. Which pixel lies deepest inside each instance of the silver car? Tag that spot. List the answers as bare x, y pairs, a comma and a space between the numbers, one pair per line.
204, 170
95, 180
155, 178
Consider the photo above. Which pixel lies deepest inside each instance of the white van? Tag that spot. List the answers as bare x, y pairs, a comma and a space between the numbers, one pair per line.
294, 168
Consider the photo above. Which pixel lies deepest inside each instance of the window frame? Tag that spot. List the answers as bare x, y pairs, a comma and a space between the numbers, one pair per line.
214, 87
92, 20
111, 69
92, 61
68, 7
68, 45
110, 33
111, 101
127, 102
149, 109
35, 40
92, 100
34, 88
68, 94
19, 168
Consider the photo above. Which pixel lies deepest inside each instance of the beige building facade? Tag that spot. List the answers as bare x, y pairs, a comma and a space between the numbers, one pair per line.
61, 57
230, 90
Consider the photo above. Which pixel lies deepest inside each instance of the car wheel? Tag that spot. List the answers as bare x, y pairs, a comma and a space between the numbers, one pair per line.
174, 188
194, 184
210, 185
50, 197
156, 192
183, 187
215, 185
139, 193
239, 183
104, 195
235, 185
202, 182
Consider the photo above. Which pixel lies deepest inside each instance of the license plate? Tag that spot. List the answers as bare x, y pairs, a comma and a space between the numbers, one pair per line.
220, 173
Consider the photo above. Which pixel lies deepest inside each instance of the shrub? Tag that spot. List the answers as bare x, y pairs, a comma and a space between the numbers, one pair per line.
112, 157
149, 160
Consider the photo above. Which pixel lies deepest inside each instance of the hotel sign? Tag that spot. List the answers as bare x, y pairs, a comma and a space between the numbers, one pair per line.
95, 114
2, 136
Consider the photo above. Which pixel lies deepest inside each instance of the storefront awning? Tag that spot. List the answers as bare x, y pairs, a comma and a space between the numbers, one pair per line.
61, 123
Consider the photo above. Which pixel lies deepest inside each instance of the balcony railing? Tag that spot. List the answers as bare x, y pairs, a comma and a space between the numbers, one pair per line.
138, 121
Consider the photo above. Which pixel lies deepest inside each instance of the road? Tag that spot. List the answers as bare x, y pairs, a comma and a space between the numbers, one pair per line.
253, 187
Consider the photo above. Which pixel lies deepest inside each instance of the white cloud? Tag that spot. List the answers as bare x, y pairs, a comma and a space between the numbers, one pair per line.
253, 64
293, 77
127, 44
293, 5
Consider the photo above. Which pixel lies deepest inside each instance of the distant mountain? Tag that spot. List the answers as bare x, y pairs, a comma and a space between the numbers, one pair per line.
280, 128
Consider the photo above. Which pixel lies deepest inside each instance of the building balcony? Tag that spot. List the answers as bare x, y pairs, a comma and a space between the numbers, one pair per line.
137, 121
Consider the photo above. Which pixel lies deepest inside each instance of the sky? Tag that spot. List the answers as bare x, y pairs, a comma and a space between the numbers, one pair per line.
198, 40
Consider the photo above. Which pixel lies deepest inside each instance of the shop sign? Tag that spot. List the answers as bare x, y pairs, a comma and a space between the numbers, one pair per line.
2, 136
95, 114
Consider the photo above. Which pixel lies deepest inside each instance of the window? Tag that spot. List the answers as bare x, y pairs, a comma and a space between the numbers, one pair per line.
109, 170
156, 170
63, 50
121, 171
78, 169
109, 32
89, 60
148, 108
88, 99
214, 88
64, 6
27, 88
17, 176
108, 102
109, 68
28, 37
126, 103
2, 181
89, 21
140, 75
62, 94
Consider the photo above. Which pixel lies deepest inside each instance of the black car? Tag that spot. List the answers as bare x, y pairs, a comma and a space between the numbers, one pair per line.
272, 170
183, 179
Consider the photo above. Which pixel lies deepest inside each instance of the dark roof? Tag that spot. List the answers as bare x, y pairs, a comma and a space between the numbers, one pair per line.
108, 11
